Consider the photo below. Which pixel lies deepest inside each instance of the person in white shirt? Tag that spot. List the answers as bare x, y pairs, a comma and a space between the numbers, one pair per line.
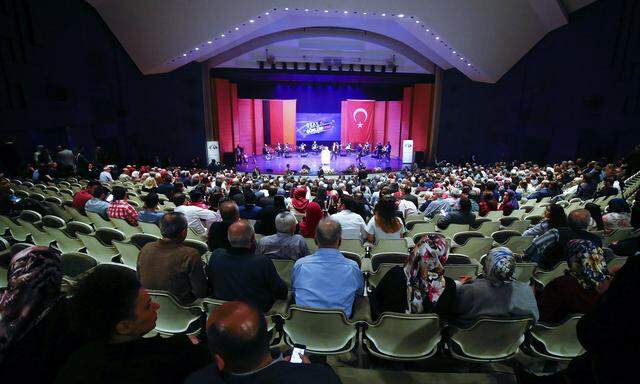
195, 215
353, 225
407, 207
105, 175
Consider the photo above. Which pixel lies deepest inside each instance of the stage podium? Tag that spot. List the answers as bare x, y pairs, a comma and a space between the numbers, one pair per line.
325, 156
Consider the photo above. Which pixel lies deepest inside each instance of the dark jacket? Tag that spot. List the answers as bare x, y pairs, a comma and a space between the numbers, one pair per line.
239, 274
564, 296
217, 236
391, 295
457, 217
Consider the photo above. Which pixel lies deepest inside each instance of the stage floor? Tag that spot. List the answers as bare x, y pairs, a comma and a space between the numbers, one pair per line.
278, 165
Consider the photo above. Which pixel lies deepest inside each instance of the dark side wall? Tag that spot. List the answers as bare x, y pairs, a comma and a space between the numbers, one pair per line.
575, 94
64, 78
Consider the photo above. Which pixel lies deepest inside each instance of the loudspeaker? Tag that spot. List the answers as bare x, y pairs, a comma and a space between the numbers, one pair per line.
419, 157
229, 159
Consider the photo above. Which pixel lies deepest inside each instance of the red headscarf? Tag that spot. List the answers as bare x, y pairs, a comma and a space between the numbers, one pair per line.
311, 220
299, 200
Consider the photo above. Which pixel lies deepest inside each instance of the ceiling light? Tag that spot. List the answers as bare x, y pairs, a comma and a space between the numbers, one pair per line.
209, 42
306, 9
184, 54
468, 64
326, 11
461, 58
222, 35
197, 49
401, 15
364, 13
237, 28
454, 52
427, 30
266, 13
437, 37
417, 21
251, 21
286, 9
384, 14
345, 12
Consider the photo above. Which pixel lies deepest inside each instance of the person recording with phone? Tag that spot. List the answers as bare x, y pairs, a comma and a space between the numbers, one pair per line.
239, 341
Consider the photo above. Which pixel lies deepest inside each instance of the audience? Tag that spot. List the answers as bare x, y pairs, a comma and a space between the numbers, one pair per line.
265, 223
311, 219
239, 274
509, 203
438, 205
239, 341
120, 207
352, 224
105, 175
420, 285
113, 312
217, 236
150, 212
580, 287
635, 211
596, 223
246, 205
299, 200
327, 279
169, 265
618, 215
496, 293
463, 215
98, 204
385, 224
194, 215
285, 244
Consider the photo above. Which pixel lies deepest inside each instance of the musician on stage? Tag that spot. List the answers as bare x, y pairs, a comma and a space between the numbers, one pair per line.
367, 148
302, 148
334, 150
379, 150
239, 151
314, 147
387, 149
266, 151
348, 148
279, 150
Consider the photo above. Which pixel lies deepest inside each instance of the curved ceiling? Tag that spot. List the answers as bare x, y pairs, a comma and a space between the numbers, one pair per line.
483, 39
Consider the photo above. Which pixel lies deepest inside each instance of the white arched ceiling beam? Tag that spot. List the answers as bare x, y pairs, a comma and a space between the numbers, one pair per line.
355, 34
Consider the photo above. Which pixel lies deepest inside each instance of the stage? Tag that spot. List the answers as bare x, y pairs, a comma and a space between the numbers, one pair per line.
278, 165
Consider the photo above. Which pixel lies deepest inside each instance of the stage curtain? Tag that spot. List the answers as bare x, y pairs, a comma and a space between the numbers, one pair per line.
258, 125
421, 111
393, 122
222, 115
289, 122
246, 137
360, 116
380, 122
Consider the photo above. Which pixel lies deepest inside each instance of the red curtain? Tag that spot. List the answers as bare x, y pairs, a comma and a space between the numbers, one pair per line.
359, 120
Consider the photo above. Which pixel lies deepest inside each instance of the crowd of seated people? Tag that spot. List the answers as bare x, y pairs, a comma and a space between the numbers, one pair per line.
109, 311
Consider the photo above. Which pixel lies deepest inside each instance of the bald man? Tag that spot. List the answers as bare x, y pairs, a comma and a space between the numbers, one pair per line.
239, 341
238, 273
217, 236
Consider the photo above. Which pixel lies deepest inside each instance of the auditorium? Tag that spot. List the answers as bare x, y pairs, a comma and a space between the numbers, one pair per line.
297, 191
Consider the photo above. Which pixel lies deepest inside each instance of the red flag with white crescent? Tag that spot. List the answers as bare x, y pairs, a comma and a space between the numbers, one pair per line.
359, 121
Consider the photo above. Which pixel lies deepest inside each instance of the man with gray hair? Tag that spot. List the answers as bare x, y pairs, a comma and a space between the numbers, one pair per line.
169, 265
438, 205
285, 244
238, 273
327, 279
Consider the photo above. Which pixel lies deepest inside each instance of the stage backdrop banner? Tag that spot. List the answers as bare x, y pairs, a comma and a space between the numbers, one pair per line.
213, 151
317, 127
359, 121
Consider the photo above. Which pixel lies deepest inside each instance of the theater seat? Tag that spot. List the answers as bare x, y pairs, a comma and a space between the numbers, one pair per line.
98, 221
16, 231
487, 339
403, 337
390, 246
174, 318
542, 277
96, 249
126, 228
151, 229
475, 247
38, 236
76, 263
487, 228
323, 331
129, 253
518, 244
555, 342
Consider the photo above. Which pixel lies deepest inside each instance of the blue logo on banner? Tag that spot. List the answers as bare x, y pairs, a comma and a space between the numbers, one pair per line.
318, 126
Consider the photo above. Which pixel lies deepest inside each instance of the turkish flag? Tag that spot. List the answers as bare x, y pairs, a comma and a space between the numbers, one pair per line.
359, 121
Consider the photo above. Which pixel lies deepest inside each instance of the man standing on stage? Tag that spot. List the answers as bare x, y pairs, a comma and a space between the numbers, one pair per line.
239, 152
387, 149
334, 150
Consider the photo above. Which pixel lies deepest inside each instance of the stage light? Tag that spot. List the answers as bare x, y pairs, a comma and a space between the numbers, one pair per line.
251, 21
461, 58
437, 37
426, 30
417, 21
236, 28
209, 42
184, 54
468, 64
222, 35
401, 15
197, 49
364, 13
384, 14
454, 52
326, 11
345, 12
286, 9
266, 13
306, 9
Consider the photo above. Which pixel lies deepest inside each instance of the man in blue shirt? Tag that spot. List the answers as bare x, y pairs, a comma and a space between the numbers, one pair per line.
327, 279
98, 204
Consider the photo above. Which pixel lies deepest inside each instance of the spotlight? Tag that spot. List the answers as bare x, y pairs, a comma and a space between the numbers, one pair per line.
401, 15
384, 14
252, 21
209, 42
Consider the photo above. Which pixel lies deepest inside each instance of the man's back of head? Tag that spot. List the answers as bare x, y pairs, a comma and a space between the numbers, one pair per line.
173, 225
241, 235
229, 211
348, 202
328, 234
179, 199
238, 338
579, 219
119, 193
285, 222
465, 205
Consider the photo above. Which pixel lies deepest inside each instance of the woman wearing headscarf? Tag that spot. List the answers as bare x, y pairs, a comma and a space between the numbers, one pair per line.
618, 216
299, 200
420, 285
496, 293
580, 287
310, 220
509, 202
35, 337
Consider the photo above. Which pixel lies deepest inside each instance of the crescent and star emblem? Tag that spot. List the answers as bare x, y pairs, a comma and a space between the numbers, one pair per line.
355, 114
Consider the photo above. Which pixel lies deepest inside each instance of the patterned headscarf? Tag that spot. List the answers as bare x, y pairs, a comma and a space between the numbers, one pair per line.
586, 263
299, 200
34, 278
424, 269
499, 265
